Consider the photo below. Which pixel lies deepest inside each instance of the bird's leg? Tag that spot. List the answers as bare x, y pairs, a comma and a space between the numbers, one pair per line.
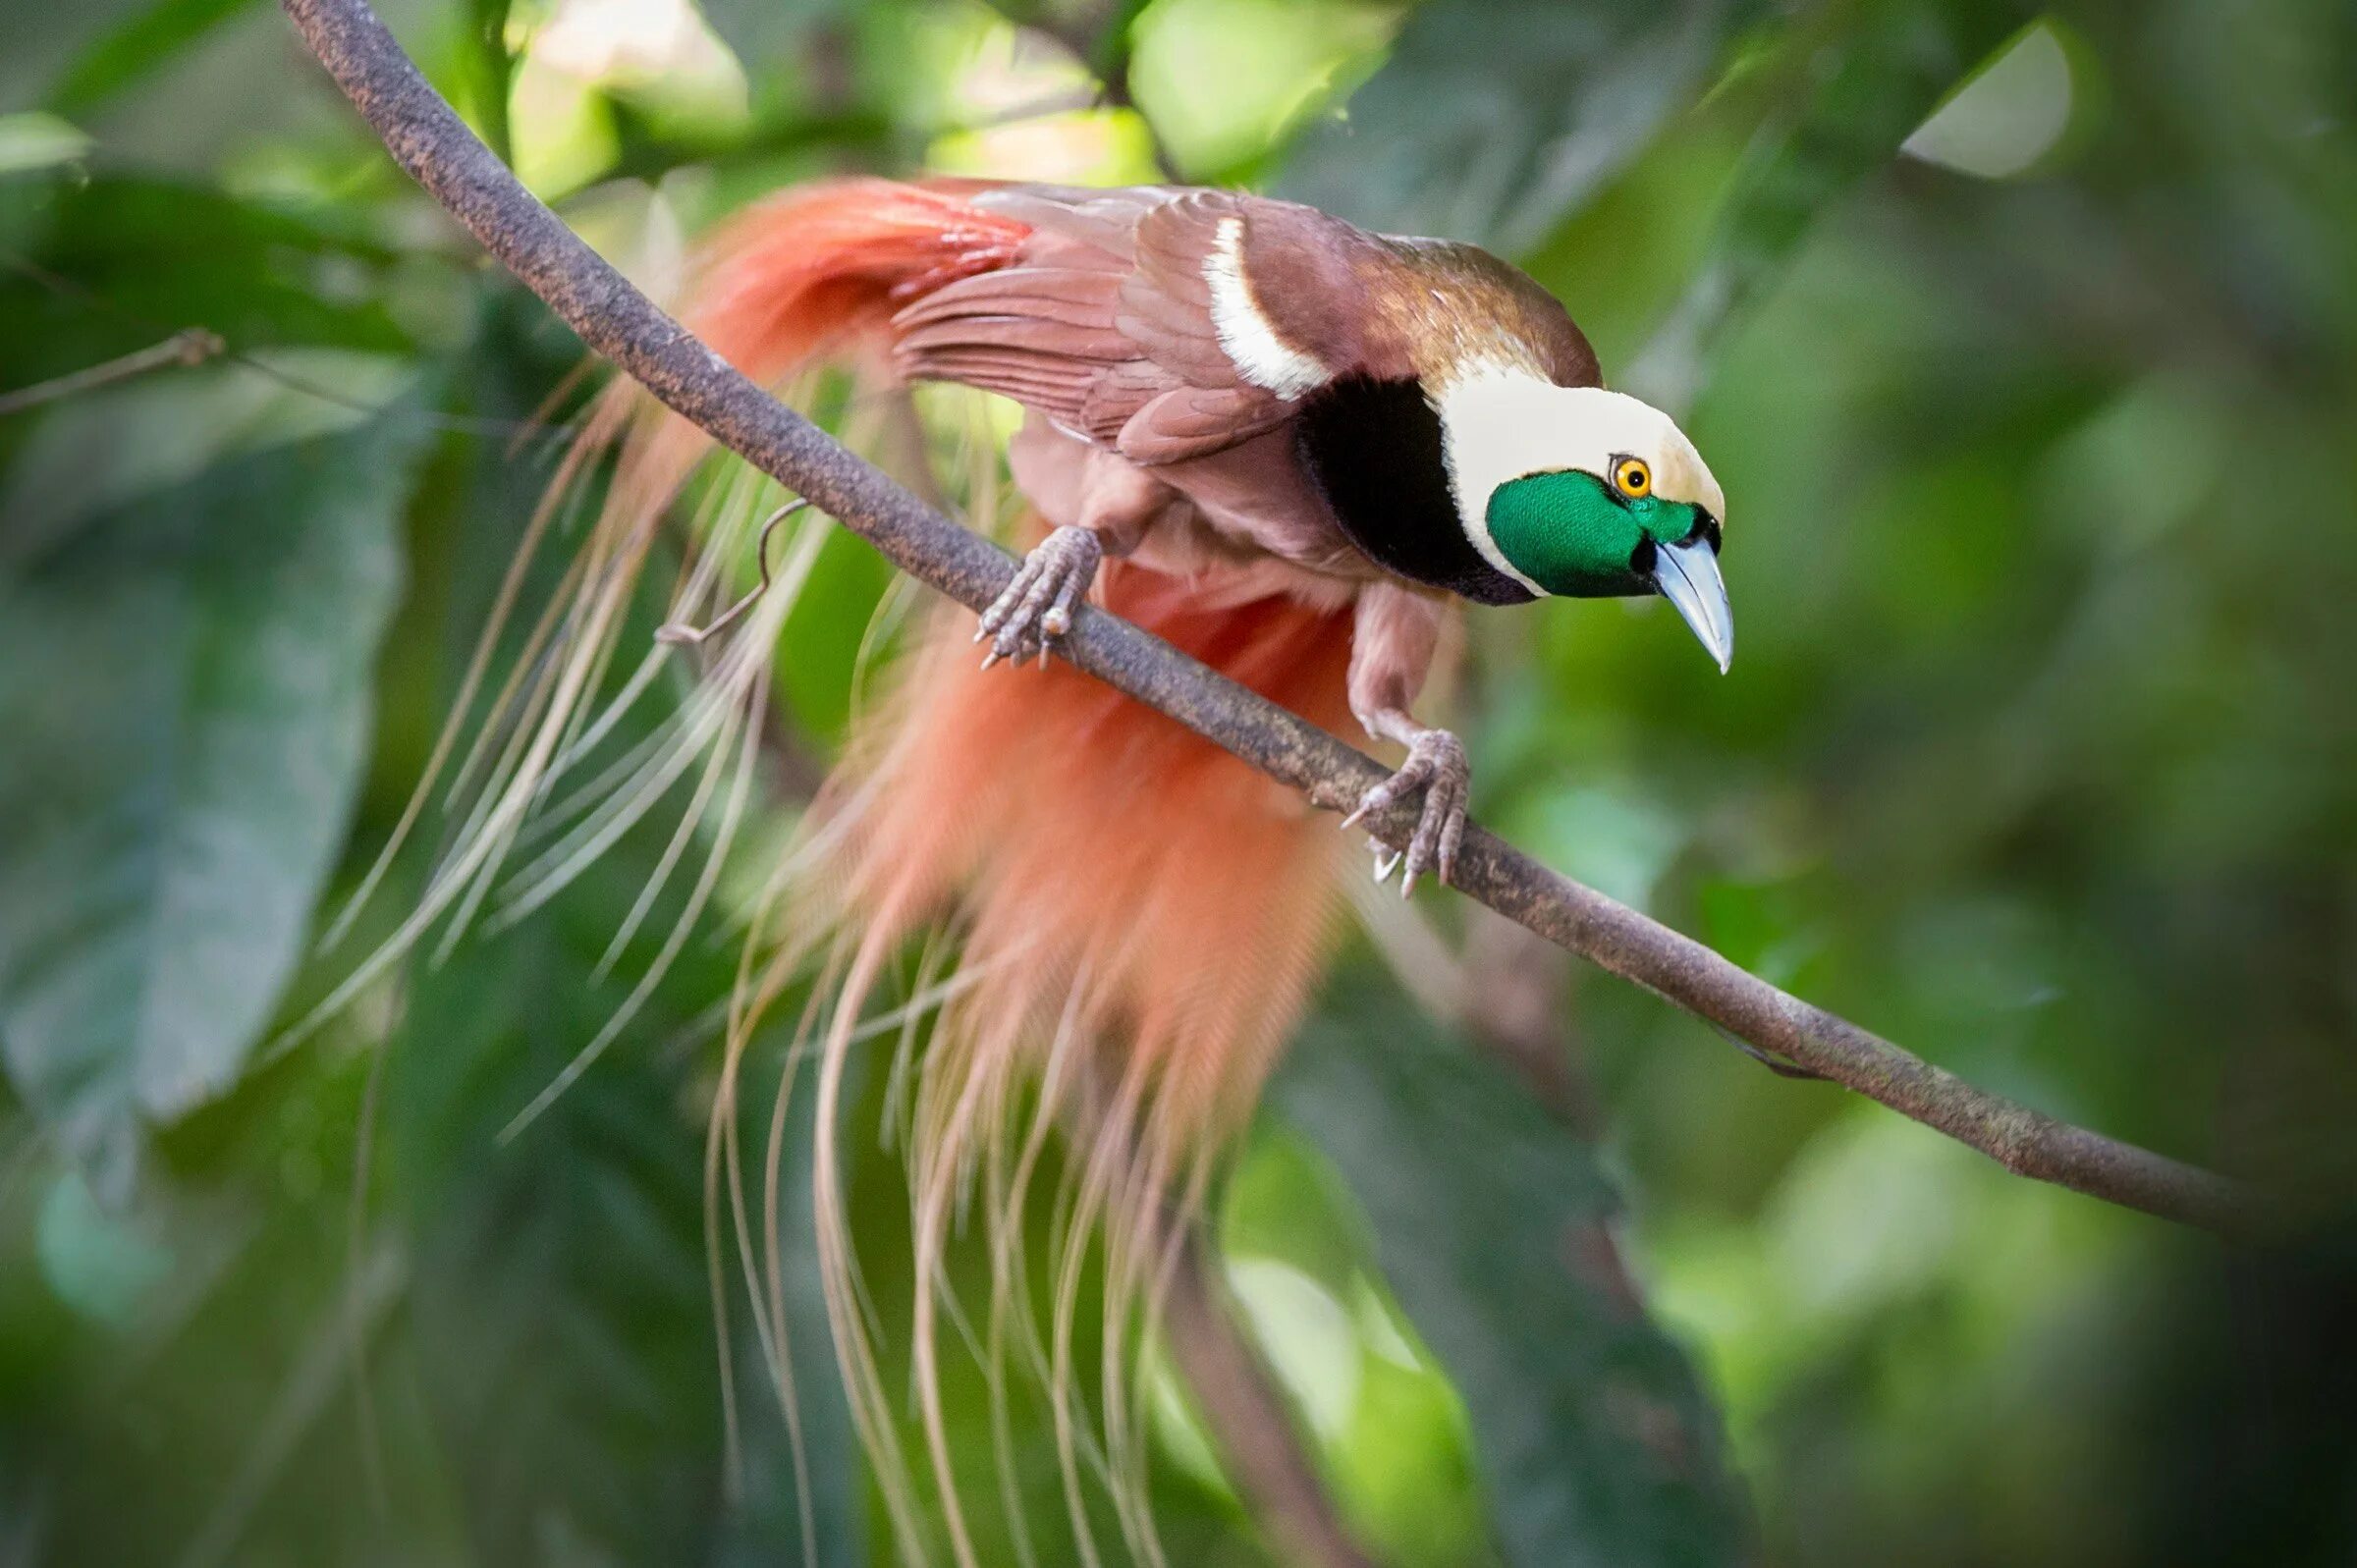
1436, 764
1037, 606
1393, 638
1115, 503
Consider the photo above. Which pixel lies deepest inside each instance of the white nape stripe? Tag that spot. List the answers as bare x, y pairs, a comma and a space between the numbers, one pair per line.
1247, 336
1493, 418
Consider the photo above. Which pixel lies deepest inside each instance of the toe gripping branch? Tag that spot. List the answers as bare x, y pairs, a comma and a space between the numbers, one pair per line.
1436, 764
1038, 606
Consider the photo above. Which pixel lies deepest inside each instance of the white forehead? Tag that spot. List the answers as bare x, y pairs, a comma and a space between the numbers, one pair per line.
1502, 424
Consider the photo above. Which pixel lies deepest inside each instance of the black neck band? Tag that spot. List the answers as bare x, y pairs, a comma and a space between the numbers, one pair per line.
1374, 449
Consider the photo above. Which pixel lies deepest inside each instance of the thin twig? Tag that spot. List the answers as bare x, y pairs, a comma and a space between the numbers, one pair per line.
687, 634
196, 345
191, 347
1249, 1417
428, 140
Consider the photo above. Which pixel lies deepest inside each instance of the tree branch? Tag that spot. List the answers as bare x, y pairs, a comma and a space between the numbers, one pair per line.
1248, 1415
429, 142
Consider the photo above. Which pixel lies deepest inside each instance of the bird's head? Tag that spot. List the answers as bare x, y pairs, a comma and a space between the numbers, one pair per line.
1585, 493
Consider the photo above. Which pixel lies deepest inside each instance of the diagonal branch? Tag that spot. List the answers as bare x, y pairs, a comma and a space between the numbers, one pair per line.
436, 149
1248, 1415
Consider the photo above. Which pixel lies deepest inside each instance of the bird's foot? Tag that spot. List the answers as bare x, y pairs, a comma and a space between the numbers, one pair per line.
1037, 606
1436, 764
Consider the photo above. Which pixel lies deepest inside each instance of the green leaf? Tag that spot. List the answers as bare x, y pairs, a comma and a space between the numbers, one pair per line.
102, 1264
562, 1325
127, 53
1492, 1223
563, 1321
1841, 101
1492, 121
187, 676
123, 262
775, 33
38, 140
95, 453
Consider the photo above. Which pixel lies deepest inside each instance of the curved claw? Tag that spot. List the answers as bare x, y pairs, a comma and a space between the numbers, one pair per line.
1436, 764
1037, 606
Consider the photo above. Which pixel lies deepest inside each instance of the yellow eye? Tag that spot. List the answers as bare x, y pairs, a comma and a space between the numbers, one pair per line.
1633, 479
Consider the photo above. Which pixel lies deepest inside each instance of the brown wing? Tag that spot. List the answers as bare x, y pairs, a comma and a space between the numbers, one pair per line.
1108, 324
1164, 323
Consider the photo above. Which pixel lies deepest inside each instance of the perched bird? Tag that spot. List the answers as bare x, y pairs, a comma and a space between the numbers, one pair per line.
1217, 379
1288, 446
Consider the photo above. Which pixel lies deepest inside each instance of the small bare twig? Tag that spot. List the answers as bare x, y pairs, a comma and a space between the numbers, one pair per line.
679, 633
192, 346
196, 345
428, 140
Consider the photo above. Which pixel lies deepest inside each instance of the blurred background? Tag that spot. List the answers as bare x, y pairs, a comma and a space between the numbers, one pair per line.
2022, 343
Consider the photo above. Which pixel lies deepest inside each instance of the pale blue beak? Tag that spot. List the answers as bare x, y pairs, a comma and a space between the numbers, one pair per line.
1688, 574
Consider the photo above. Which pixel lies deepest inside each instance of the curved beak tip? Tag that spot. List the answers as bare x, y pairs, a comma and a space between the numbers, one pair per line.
1687, 575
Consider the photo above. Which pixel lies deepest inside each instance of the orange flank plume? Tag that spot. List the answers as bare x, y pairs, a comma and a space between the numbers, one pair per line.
820, 267
1141, 917
1137, 916
812, 271
1087, 834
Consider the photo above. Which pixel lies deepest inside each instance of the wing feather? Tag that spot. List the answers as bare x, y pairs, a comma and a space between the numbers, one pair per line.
1120, 318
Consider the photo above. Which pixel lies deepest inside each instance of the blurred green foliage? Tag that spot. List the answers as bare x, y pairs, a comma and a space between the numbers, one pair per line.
2022, 343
